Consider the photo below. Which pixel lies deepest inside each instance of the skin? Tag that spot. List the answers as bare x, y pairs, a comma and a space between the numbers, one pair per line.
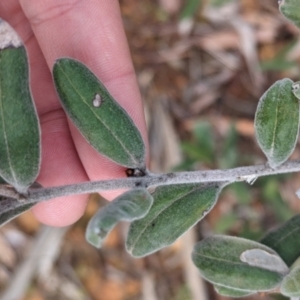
90, 31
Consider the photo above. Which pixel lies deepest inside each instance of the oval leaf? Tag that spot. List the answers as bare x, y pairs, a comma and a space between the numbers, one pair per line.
291, 10
100, 119
130, 206
285, 240
218, 260
290, 286
233, 293
176, 208
19, 126
277, 122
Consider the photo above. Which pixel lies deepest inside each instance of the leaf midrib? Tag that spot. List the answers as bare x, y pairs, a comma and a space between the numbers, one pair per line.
275, 127
5, 135
160, 212
285, 236
233, 262
101, 121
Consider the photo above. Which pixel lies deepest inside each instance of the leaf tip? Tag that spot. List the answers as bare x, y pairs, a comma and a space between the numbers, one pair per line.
8, 37
93, 236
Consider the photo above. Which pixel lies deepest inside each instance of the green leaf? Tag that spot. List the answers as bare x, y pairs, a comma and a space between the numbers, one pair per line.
19, 126
218, 259
233, 293
130, 206
291, 10
219, 3
190, 8
290, 286
285, 240
277, 122
100, 119
176, 208
11, 208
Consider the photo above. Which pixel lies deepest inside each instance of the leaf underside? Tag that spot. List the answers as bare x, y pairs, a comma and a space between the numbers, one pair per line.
233, 293
277, 122
130, 206
218, 260
261, 258
100, 119
285, 240
290, 286
176, 208
19, 126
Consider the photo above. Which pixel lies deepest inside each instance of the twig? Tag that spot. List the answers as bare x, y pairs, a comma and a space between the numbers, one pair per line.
248, 174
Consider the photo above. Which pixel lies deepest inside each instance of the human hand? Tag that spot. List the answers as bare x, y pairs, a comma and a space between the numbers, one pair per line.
92, 32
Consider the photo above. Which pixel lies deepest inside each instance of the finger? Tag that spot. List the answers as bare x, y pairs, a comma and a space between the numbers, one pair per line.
92, 32
60, 162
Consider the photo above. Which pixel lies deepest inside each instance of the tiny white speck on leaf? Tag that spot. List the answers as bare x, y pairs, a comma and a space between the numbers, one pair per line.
296, 89
8, 37
97, 101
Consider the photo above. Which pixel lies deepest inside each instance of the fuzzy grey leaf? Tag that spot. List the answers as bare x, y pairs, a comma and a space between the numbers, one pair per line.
100, 119
176, 208
218, 260
19, 126
285, 240
130, 206
277, 122
290, 286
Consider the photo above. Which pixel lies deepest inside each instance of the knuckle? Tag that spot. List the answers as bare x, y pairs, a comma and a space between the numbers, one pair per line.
47, 10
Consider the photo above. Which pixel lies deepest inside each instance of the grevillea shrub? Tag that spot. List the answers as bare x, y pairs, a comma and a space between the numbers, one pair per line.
160, 207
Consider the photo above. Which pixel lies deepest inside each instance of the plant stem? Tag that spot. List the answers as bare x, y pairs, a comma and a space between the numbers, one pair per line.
229, 175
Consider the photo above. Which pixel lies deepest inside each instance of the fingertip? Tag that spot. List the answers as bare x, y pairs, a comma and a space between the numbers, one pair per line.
60, 212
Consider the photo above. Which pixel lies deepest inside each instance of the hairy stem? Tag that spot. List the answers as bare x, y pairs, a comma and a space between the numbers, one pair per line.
230, 175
